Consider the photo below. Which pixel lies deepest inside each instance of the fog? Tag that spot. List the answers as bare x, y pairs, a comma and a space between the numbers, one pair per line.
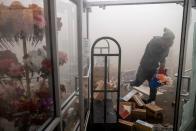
133, 26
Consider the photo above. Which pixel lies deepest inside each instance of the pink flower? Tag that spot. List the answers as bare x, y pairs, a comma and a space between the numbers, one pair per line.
15, 70
62, 58
46, 64
40, 21
6, 59
5, 64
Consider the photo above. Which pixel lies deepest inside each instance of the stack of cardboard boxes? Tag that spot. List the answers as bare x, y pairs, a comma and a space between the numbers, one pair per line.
137, 115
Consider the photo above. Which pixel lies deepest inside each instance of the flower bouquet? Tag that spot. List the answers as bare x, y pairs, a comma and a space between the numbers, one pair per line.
15, 106
160, 78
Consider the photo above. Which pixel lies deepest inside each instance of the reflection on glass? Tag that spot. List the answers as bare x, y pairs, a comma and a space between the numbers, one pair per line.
71, 116
67, 46
25, 94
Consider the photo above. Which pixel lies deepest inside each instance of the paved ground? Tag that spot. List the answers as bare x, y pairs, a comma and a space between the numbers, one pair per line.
165, 102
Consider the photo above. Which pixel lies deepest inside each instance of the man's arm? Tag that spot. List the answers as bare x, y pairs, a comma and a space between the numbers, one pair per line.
163, 60
162, 63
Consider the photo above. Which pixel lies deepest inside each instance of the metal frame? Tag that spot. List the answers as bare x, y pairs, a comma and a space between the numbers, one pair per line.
52, 28
53, 125
188, 77
183, 45
54, 54
51, 42
87, 22
105, 76
51, 39
68, 105
183, 36
68, 100
130, 2
87, 114
79, 4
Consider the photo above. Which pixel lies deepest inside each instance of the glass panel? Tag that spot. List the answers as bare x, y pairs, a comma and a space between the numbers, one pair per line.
67, 47
188, 93
135, 33
25, 69
71, 116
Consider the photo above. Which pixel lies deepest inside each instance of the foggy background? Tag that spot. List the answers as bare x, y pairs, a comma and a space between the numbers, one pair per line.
133, 26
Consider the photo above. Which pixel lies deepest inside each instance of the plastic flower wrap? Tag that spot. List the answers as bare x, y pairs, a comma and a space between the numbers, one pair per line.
160, 78
34, 59
37, 61
17, 18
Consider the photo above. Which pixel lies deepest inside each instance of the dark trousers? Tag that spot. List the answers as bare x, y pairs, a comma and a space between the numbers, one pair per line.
142, 75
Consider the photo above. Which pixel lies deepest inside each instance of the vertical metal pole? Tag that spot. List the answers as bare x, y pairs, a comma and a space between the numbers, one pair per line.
88, 104
194, 112
181, 61
87, 33
108, 60
118, 93
105, 89
189, 84
52, 48
80, 73
92, 84
87, 23
26, 68
76, 83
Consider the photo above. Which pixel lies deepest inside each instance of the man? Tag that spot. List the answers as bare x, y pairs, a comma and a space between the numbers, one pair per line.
154, 56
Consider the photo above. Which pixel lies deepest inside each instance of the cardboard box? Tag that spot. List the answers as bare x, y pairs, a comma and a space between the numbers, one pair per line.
143, 126
139, 102
129, 95
125, 109
138, 114
126, 125
154, 108
132, 104
154, 113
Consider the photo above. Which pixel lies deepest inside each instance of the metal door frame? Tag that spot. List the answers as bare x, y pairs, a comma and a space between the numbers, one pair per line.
183, 42
105, 76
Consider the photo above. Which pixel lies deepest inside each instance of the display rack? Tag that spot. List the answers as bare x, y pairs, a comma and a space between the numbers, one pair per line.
106, 104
